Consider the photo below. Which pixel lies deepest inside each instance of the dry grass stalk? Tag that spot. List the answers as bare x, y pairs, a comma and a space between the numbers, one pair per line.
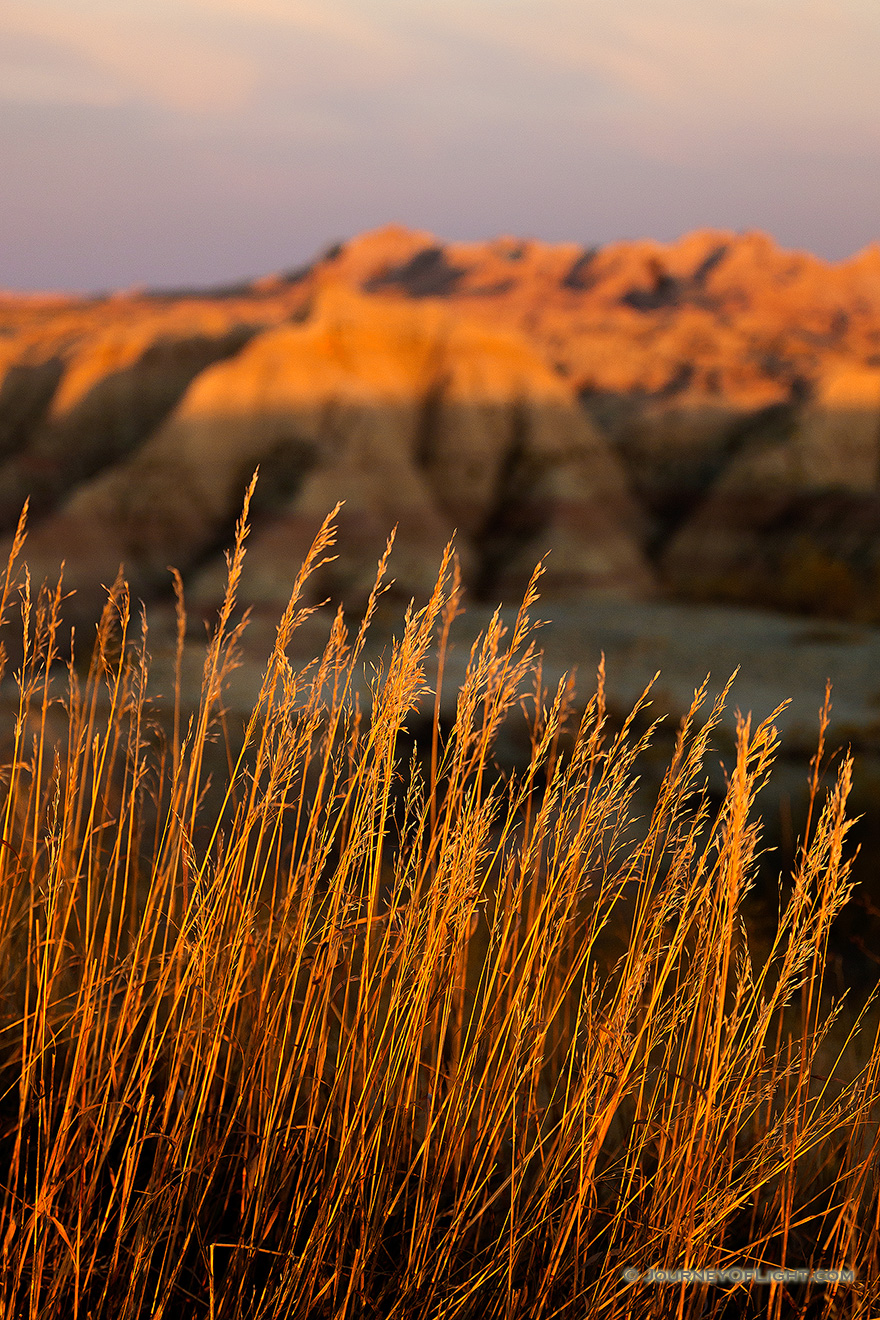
335, 1048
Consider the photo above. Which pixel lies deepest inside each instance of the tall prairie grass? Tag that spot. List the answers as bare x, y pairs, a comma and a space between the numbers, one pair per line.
343, 1032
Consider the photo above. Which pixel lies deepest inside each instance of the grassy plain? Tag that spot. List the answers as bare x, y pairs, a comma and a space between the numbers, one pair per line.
346, 1033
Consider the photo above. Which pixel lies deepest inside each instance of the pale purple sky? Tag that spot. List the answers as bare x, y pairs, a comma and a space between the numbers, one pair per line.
169, 142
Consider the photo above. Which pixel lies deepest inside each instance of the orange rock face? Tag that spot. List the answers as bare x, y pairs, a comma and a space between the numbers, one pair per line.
413, 416
706, 412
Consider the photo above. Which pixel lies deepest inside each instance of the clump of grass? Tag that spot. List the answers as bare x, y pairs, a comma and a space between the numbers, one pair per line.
342, 1038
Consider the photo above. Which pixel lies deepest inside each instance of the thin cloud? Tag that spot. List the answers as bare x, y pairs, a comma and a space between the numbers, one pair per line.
809, 59
761, 61
35, 71
33, 84
140, 56
377, 44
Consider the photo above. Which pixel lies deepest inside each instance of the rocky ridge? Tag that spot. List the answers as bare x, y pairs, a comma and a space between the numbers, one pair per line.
702, 417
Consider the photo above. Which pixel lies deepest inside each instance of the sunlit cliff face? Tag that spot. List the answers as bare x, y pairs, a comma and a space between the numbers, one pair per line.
700, 417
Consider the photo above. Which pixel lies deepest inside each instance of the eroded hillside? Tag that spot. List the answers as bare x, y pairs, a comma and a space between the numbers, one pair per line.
701, 418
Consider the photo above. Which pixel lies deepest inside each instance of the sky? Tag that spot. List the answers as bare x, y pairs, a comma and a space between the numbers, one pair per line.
187, 142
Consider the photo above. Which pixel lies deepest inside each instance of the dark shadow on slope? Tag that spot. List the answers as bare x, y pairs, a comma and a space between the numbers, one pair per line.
579, 277
487, 470
674, 453
669, 291
519, 515
25, 395
428, 274
815, 553
116, 416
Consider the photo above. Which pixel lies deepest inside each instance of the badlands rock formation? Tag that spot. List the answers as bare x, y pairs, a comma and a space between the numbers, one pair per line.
412, 416
794, 519
108, 397
681, 353
702, 415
